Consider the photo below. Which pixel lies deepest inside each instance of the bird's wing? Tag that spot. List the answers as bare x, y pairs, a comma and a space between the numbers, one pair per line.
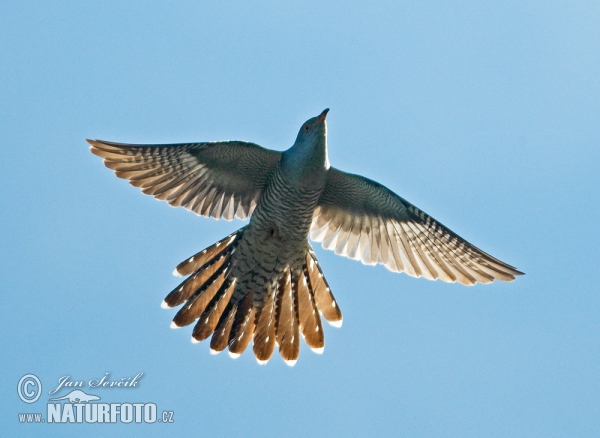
217, 179
363, 220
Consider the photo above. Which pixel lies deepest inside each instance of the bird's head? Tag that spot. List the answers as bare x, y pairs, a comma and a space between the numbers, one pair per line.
311, 142
307, 158
314, 131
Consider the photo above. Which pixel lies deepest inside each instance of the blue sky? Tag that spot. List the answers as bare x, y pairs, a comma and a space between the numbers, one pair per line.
483, 114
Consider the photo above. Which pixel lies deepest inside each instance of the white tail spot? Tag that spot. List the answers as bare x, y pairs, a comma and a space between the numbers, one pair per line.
290, 363
176, 273
194, 340
214, 352
174, 326
318, 350
262, 362
337, 324
233, 355
164, 305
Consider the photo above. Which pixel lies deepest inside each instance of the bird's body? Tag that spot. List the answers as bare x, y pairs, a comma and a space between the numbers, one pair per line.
274, 245
280, 223
263, 282
276, 236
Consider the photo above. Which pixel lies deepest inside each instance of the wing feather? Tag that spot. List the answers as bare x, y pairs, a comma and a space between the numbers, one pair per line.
363, 220
215, 179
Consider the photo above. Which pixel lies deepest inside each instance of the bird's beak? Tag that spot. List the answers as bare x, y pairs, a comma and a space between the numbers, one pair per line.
323, 114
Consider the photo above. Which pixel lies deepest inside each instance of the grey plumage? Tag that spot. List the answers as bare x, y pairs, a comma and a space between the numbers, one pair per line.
263, 282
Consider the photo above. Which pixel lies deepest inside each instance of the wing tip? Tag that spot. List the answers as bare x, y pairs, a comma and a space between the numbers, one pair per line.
512, 276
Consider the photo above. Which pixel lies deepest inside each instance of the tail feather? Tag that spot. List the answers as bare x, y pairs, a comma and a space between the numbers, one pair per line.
322, 293
292, 305
210, 269
200, 299
288, 337
265, 335
212, 314
195, 283
197, 261
220, 337
310, 321
243, 325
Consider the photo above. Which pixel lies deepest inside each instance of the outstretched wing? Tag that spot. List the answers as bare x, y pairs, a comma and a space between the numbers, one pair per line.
217, 179
363, 220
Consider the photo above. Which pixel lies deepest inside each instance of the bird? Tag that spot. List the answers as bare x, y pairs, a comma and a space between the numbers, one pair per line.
263, 283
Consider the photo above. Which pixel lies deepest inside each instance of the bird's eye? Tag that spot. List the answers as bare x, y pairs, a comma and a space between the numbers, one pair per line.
306, 128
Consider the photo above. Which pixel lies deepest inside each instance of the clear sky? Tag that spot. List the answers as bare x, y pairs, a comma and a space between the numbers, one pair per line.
483, 114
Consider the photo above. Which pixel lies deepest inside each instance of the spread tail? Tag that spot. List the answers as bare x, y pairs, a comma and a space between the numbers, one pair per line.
291, 305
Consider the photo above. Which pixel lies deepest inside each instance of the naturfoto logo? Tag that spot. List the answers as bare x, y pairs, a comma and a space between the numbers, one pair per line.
79, 406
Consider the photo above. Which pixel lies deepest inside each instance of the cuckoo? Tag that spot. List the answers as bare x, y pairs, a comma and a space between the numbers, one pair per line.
263, 283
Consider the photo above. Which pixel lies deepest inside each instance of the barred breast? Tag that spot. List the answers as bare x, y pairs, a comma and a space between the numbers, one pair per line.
276, 237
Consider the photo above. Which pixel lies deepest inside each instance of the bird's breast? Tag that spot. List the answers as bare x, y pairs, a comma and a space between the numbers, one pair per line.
284, 211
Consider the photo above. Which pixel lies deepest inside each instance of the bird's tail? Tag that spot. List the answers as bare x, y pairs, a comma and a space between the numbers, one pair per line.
291, 305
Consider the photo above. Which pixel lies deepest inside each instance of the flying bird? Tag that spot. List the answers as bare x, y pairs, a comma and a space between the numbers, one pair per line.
263, 282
